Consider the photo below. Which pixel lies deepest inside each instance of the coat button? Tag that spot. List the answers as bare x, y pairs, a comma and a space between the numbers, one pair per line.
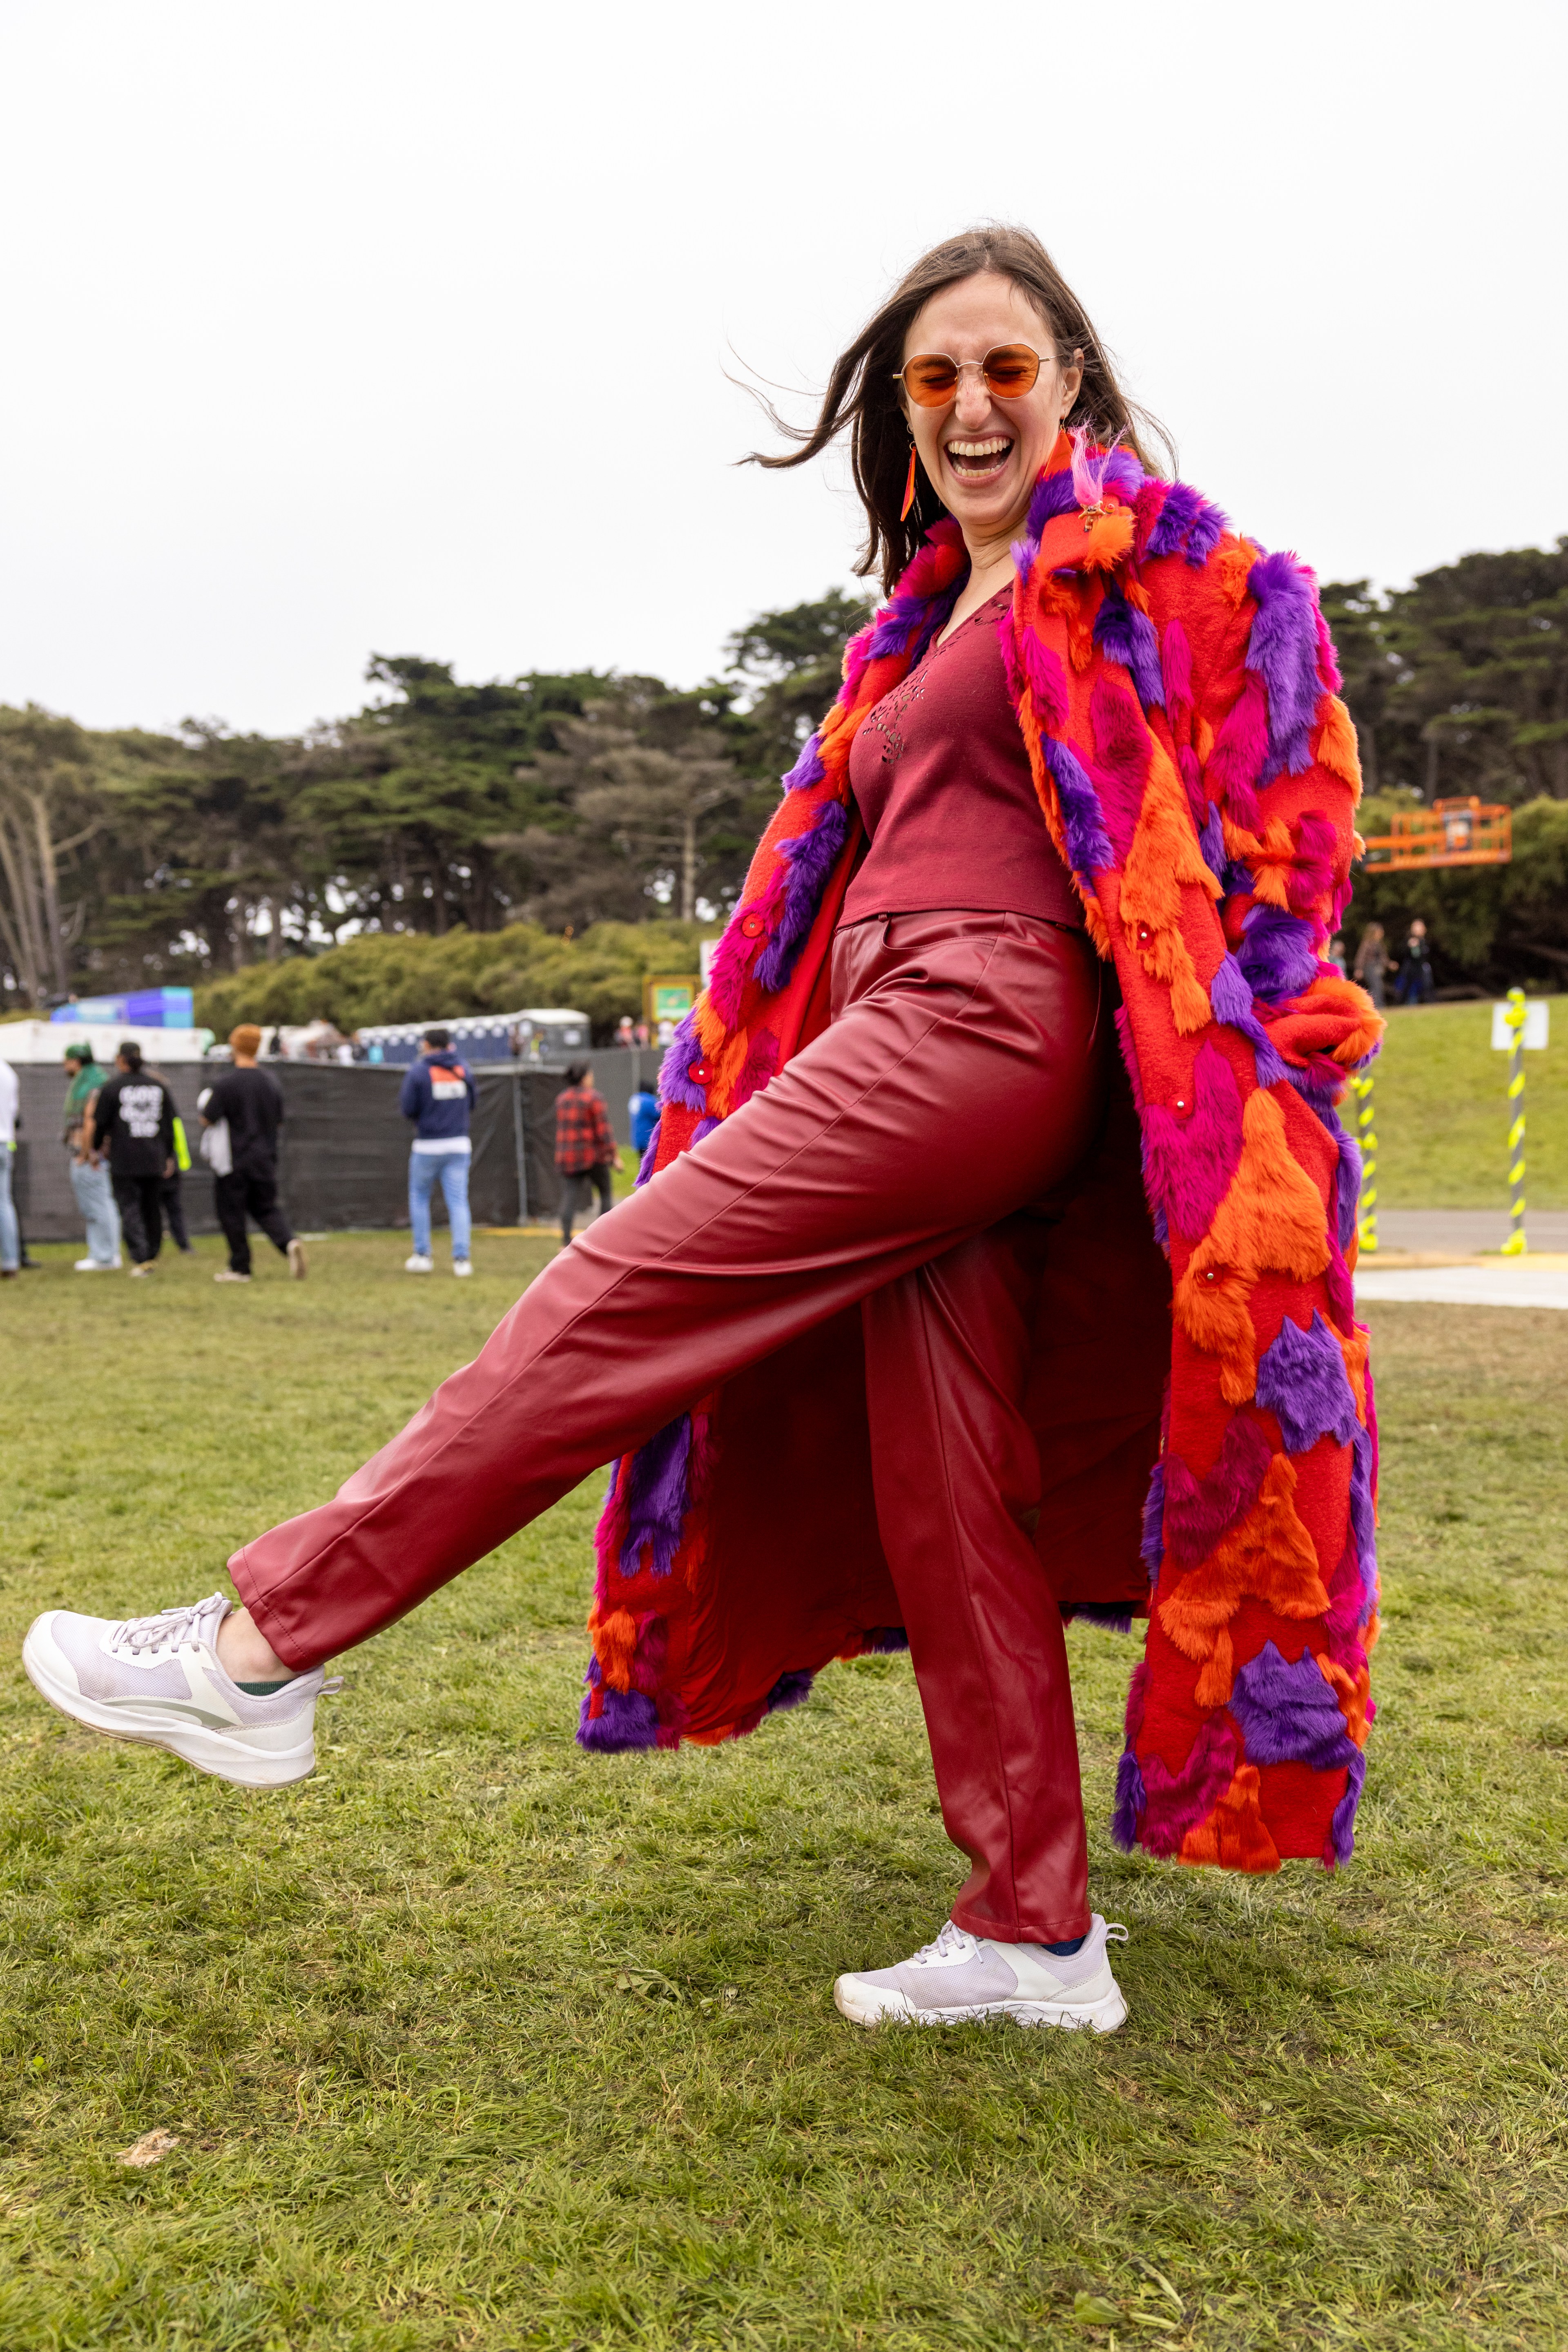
1146, 935
699, 1074
751, 925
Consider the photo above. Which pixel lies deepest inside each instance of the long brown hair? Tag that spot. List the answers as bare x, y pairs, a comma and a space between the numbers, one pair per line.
863, 399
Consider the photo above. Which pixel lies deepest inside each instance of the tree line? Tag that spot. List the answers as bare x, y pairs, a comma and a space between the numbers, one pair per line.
550, 815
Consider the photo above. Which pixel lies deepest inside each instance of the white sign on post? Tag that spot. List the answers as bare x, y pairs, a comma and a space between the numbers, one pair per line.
1535, 1026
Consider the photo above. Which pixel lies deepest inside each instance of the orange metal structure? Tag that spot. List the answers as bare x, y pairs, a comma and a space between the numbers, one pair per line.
1450, 833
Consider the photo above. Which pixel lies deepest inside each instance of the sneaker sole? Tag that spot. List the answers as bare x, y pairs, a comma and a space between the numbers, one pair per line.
192, 1743
870, 2005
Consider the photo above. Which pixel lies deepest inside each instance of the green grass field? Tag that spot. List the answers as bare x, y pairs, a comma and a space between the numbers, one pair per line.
1442, 1114
472, 2041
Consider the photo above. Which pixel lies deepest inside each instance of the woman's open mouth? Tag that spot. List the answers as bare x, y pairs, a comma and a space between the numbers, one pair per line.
978, 461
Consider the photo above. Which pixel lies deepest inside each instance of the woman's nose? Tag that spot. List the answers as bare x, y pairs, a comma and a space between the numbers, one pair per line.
972, 401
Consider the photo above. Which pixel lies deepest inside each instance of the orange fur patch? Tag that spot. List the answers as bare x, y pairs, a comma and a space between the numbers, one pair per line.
1270, 1557
614, 1645
1273, 862
1352, 1694
1235, 1834
1336, 747
1354, 1350
1213, 1687
1271, 1218
1230, 567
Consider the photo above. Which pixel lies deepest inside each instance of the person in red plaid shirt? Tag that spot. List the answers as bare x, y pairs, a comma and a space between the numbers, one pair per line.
586, 1150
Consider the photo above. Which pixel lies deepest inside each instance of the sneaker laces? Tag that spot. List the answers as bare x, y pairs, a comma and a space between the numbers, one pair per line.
170, 1630
951, 1941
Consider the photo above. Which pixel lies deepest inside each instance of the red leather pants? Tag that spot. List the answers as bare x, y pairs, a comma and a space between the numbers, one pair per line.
961, 1079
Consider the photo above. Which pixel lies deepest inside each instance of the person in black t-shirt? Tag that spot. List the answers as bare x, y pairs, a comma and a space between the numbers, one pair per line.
250, 1103
134, 1116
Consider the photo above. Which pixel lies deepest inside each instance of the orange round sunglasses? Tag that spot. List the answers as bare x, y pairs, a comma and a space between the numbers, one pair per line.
931, 378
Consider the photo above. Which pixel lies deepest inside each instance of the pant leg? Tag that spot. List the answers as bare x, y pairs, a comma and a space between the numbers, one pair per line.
228, 1200
602, 1180
151, 1192
574, 1195
10, 1230
261, 1202
173, 1201
128, 1201
957, 1473
421, 1181
454, 1167
94, 1199
855, 1165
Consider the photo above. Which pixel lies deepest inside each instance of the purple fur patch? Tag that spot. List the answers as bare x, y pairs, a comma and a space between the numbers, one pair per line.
1277, 956
1152, 1550
1053, 495
810, 857
1302, 1381
1188, 1163
703, 1126
1115, 1618
1126, 635
1211, 840
1087, 847
1130, 1802
656, 1503
1231, 1000
1341, 1829
808, 769
1289, 1713
1121, 759
1175, 1802
629, 1719
887, 1638
674, 1083
1198, 1512
1282, 648
790, 1690
645, 1165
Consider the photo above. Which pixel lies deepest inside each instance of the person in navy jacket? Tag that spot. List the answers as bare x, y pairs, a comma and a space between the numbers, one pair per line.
438, 1095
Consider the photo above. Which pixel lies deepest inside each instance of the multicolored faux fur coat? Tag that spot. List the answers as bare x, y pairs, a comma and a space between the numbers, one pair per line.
1176, 687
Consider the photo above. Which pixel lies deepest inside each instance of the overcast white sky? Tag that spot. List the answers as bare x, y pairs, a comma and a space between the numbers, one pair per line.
335, 325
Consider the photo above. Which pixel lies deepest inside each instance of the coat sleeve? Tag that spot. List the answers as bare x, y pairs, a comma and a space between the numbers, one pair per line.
412, 1098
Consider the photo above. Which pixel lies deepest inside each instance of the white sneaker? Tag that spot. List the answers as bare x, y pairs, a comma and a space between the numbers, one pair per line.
461, 1265
417, 1265
157, 1680
960, 1978
96, 1265
229, 1274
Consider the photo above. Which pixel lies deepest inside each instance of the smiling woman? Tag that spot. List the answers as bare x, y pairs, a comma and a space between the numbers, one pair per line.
907, 1336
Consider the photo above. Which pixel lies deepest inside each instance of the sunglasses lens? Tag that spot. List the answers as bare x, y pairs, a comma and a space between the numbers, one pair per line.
930, 382
1012, 372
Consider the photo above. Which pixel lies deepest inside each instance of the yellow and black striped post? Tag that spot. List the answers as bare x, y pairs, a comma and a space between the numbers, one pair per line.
1366, 1220
1514, 1012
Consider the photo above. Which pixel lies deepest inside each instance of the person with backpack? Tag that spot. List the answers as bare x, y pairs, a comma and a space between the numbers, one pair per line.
439, 1095
133, 1118
241, 1115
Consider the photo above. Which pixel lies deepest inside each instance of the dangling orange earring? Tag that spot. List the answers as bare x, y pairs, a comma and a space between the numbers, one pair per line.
908, 488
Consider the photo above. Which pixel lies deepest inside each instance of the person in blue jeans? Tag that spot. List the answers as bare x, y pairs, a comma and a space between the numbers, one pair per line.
438, 1095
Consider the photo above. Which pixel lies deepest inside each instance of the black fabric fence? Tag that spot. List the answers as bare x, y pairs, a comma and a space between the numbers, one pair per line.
343, 1156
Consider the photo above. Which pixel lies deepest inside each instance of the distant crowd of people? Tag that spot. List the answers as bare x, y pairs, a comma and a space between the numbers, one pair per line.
1413, 983
127, 1151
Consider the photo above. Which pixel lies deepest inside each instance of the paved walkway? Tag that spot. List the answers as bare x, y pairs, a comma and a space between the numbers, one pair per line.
1467, 1232
1510, 1281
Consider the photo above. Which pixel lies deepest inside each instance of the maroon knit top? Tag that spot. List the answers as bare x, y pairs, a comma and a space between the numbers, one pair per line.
942, 780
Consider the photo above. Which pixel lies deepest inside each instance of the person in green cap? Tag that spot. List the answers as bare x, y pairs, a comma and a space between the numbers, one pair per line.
89, 1176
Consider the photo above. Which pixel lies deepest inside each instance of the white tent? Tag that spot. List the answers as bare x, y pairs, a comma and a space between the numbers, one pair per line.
46, 1041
